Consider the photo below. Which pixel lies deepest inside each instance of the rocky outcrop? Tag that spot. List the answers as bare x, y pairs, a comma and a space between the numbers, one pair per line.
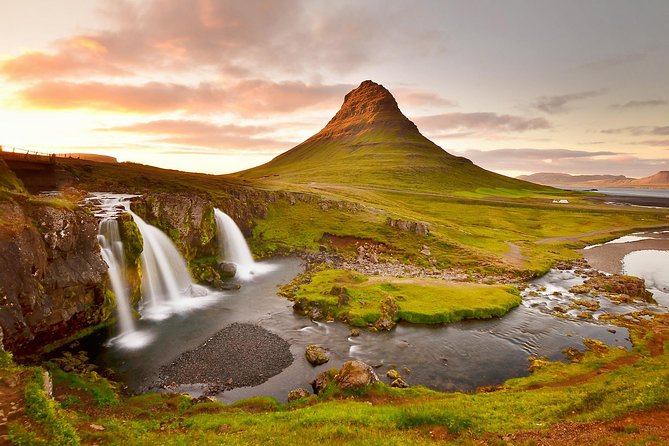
297, 394
51, 273
418, 227
615, 286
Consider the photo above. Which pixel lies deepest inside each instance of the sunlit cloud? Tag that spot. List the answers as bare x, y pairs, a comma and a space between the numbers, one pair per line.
460, 125
203, 134
558, 103
246, 98
639, 104
531, 160
640, 130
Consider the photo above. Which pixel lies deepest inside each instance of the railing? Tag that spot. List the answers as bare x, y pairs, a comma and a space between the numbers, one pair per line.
30, 155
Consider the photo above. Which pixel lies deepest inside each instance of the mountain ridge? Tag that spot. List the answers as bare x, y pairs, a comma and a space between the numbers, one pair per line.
657, 180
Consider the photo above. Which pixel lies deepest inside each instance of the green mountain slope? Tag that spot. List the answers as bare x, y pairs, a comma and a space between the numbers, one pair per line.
369, 142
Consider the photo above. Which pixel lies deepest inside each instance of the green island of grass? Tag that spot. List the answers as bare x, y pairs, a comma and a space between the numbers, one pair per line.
361, 300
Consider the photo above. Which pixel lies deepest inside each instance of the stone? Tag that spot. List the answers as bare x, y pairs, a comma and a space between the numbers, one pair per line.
425, 250
314, 314
389, 311
355, 375
399, 383
297, 394
355, 332
96, 427
316, 355
320, 382
393, 374
228, 269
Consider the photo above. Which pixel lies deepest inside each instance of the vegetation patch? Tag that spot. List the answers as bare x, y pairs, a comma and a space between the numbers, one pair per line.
362, 301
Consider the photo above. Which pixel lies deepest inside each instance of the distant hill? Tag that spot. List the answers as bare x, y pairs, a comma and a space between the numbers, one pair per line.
91, 157
565, 179
658, 180
369, 142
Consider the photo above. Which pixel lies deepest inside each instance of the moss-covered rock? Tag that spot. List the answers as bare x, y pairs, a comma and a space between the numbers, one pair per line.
316, 355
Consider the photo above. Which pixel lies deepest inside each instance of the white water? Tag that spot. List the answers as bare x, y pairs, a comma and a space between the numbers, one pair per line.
234, 248
112, 253
166, 283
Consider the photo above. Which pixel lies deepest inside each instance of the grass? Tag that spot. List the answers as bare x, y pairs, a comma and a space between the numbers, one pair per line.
420, 301
606, 384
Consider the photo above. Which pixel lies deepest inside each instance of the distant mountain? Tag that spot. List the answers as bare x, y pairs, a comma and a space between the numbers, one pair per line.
659, 180
369, 142
565, 179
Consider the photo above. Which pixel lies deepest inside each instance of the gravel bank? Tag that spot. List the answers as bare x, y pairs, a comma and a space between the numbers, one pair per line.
239, 355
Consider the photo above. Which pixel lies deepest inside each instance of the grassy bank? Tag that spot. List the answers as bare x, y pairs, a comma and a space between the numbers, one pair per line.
616, 394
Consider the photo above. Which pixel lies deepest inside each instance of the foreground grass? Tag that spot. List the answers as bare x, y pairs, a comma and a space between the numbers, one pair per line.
362, 301
605, 384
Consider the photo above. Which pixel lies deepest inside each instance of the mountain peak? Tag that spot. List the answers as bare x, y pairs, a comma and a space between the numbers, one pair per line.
366, 108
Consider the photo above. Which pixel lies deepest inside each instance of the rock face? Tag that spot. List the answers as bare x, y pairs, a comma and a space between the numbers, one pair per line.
367, 107
418, 227
355, 375
51, 274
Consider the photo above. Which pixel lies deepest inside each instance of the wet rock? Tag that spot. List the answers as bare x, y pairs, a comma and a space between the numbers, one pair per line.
399, 383
314, 314
355, 375
393, 374
316, 355
297, 394
389, 311
355, 332
227, 269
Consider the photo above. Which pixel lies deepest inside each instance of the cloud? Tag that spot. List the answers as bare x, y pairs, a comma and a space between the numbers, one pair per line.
654, 143
246, 98
202, 134
233, 38
466, 124
557, 104
640, 130
639, 104
533, 160
421, 98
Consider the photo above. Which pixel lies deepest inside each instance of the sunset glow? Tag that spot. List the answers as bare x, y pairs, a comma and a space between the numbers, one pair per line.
219, 86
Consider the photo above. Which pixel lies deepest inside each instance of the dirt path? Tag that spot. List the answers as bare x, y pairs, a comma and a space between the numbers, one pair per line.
515, 255
576, 238
647, 428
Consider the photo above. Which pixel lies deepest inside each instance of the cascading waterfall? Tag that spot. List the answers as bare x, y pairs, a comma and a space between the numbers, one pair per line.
234, 248
166, 282
112, 253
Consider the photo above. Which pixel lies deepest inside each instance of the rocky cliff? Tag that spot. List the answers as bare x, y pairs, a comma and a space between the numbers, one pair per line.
52, 280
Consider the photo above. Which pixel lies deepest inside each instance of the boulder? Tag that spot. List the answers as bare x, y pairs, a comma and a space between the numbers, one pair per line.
297, 394
228, 269
355, 375
320, 382
419, 227
393, 374
316, 355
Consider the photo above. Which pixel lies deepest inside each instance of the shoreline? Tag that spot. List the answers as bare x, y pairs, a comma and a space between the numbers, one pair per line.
609, 256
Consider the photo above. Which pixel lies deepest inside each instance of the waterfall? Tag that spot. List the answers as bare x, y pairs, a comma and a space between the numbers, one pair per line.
112, 253
234, 248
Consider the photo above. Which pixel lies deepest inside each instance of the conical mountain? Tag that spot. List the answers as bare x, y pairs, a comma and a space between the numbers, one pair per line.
369, 142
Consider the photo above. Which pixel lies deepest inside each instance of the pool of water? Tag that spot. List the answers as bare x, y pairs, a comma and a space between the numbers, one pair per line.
458, 356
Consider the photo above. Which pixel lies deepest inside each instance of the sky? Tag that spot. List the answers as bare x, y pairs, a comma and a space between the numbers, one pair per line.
211, 86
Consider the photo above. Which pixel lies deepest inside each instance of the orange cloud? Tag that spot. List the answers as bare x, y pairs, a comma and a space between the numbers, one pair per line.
246, 98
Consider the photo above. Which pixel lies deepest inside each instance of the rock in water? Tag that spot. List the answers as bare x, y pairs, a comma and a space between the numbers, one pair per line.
355, 375
316, 355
